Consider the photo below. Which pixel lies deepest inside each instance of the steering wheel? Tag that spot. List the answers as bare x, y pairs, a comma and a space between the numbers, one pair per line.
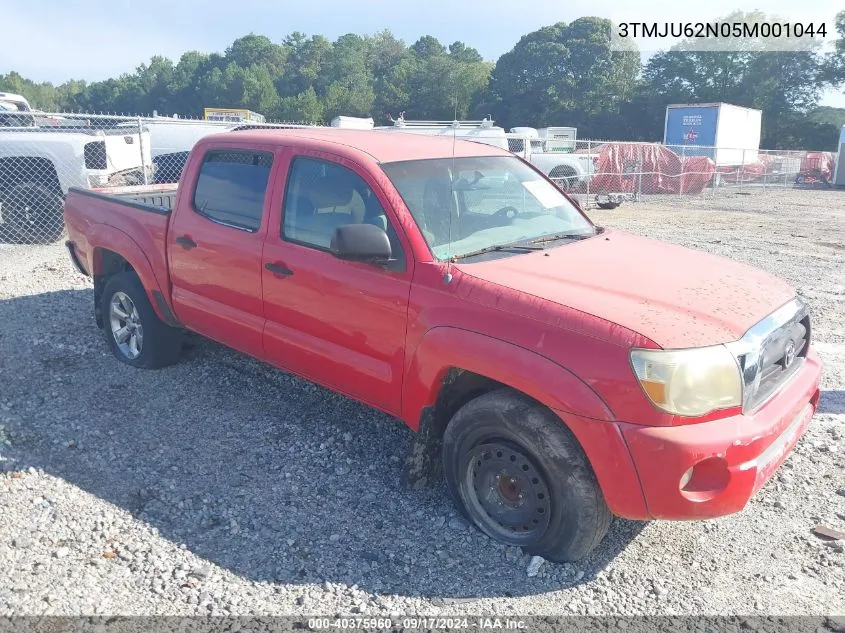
506, 213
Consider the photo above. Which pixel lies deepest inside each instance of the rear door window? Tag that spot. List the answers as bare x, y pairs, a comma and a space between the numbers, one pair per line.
231, 187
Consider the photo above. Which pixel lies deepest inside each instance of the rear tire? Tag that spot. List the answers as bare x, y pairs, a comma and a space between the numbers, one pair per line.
520, 476
133, 330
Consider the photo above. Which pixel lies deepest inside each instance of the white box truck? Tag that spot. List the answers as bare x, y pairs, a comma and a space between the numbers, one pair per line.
839, 168
726, 133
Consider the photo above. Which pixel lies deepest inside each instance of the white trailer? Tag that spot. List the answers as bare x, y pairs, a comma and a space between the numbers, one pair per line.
839, 165
726, 133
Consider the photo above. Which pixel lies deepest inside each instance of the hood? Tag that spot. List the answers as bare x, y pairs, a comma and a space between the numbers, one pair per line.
676, 296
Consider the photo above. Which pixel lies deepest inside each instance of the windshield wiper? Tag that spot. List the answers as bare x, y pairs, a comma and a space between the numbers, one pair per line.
563, 236
500, 247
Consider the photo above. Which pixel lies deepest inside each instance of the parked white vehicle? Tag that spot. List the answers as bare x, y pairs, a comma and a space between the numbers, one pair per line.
171, 139
550, 149
38, 164
15, 111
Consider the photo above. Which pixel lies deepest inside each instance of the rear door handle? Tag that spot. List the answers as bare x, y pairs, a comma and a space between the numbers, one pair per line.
278, 269
186, 241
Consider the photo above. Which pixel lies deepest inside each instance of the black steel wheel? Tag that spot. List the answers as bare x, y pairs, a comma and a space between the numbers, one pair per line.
520, 476
506, 491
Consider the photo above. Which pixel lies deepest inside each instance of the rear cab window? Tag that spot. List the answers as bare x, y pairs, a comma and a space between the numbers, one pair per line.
231, 187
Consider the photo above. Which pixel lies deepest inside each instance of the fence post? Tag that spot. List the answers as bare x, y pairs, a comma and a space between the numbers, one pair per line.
742, 171
683, 172
590, 170
141, 146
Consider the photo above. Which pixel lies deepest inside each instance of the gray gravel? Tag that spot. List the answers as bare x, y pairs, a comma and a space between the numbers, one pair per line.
223, 486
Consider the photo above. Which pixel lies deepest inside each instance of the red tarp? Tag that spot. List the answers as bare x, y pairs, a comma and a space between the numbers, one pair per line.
819, 165
620, 166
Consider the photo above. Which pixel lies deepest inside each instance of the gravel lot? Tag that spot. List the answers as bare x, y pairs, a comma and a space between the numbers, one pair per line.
223, 486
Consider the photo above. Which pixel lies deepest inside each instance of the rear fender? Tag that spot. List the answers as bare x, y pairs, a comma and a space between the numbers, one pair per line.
108, 238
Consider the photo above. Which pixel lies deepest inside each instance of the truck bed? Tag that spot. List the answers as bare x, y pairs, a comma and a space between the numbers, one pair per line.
134, 219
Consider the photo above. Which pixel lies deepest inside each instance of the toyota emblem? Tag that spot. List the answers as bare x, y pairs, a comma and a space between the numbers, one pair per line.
788, 354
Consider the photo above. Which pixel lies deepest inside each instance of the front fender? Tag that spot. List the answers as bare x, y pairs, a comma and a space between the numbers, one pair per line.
442, 348
583, 412
103, 237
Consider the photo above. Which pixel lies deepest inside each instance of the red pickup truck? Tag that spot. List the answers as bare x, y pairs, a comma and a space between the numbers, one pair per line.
556, 373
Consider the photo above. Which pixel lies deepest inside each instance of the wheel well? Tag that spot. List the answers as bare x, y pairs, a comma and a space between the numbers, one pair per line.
106, 264
32, 169
423, 465
562, 171
458, 387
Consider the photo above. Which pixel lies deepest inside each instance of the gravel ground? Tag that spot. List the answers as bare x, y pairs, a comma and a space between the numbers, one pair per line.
223, 486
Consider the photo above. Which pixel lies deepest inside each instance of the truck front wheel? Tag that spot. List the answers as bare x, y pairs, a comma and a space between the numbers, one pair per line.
521, 477
133, 330
34, 212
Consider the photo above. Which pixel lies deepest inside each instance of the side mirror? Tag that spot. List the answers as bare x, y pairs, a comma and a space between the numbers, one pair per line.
361, 242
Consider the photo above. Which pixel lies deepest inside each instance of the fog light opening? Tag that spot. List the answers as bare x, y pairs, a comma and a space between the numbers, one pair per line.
685, 479
705, 480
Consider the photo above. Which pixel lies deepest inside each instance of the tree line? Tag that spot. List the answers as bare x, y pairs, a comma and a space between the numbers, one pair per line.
566, 74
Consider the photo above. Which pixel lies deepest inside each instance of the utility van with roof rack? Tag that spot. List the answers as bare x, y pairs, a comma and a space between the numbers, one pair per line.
557, 373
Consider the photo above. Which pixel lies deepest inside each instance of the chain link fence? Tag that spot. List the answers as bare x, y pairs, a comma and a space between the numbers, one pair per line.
608, 173
43, 155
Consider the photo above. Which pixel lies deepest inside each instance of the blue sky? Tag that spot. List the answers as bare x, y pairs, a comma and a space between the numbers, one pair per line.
55, 40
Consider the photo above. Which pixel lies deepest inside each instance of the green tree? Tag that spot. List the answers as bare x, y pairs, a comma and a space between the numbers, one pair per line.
305, 107
41, 96
779, 82
345, 81
258, 50
303, 63
441, 82
564, 74
834, 65
390, 64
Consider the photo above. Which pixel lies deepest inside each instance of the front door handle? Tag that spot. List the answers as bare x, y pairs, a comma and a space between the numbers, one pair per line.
186, 241
278, 269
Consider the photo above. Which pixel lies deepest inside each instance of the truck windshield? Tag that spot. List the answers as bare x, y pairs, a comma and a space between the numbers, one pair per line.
467, 205
15, 114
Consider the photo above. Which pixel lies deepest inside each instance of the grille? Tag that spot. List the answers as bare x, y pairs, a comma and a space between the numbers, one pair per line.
95, 155
772, 351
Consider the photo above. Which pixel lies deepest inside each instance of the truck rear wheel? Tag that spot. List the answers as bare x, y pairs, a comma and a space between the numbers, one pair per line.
521, 477
133, 330
34, 213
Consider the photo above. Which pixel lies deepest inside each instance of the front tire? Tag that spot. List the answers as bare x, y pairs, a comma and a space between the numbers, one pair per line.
133, 330
517, 473
564, 177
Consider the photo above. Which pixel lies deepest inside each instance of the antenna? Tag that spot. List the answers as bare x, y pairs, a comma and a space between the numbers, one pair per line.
447, 278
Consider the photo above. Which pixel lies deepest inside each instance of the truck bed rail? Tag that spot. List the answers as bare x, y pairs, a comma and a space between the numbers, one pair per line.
157, 199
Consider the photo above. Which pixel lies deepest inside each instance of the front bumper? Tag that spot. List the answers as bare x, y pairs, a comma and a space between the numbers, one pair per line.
711, 469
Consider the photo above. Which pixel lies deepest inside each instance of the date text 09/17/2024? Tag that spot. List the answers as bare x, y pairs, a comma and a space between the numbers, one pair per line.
423, 623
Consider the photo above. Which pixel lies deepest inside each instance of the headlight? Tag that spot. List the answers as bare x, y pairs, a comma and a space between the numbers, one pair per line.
690, 382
